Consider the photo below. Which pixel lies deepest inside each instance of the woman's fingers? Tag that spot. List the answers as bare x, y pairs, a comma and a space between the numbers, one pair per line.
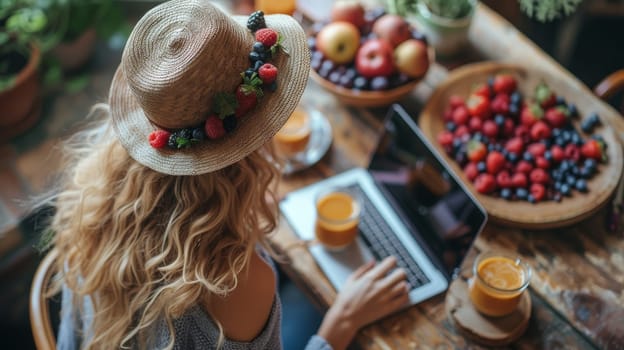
393, 278
363, 269
381, 269
396, 290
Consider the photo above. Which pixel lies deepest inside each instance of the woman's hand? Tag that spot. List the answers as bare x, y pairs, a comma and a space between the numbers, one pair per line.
370, 293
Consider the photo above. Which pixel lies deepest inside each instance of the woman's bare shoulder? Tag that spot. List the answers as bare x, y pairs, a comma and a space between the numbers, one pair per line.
244, 313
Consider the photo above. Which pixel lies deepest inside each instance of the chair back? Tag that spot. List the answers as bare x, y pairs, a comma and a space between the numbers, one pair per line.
610, 86
40, 322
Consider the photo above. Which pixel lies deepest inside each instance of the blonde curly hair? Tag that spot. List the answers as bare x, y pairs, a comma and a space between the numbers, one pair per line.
146, 246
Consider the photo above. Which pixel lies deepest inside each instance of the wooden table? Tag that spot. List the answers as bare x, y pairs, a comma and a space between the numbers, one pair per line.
577, 289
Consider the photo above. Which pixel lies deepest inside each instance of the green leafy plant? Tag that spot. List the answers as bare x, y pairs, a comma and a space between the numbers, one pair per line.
24, 23
548, 10
104, 16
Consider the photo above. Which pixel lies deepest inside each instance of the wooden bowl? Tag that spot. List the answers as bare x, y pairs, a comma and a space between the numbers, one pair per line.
523, 214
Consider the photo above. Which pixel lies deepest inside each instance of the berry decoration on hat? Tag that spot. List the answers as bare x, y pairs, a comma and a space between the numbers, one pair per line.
229, 106
268, 73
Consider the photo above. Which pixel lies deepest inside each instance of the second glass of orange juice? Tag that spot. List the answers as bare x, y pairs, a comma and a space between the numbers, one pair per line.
498, 283
337, 217
287, 7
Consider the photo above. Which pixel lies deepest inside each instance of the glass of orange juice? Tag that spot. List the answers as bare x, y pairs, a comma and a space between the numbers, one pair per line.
337, 217
293, 137
498, 283
287, 7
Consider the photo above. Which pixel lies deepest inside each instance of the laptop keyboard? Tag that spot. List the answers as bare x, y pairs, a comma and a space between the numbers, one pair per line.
382, 242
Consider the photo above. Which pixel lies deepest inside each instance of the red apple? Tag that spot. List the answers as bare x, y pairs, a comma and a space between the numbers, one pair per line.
348, 11
374, 58
338, 41
412, 58
392, 28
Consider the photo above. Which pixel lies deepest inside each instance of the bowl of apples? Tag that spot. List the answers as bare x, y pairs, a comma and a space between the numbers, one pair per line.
367, 58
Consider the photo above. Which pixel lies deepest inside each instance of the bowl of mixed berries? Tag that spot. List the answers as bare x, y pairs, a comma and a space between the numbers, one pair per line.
533, 149
367, 57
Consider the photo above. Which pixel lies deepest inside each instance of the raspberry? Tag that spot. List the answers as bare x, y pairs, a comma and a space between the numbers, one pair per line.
268, 73
159, 138
214, 127
256, 21
268, 37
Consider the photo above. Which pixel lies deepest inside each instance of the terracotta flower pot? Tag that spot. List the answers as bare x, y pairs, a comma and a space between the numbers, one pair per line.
21, 104
73, 55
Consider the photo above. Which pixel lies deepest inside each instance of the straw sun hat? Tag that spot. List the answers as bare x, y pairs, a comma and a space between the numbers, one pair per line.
179, 56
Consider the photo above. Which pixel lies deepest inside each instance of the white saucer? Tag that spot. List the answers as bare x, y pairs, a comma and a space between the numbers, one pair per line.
320, 140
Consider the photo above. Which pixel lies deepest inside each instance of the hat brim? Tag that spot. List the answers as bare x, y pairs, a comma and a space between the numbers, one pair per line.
253, 130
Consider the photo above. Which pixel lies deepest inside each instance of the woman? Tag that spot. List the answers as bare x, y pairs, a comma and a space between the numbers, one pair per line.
161, 226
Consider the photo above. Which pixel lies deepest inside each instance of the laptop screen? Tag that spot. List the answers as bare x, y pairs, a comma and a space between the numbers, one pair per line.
439, 211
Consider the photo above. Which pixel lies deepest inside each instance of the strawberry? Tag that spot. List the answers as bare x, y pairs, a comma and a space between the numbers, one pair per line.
557, 153
538, 175
268, 37
461, 115
503, 179
504, 83
471, 171
530, 114
571, 151
522, 131
447, 115
594, 149
519, 180
544, 96
500, 104
214, 127
445, 138
508, 127
537, 149
490, 129
540, 131
485, 183
476, 151
557, 116
524, 167
456, 101
495, 162
515, 145
542, 162
538, 191
478, 106
475, 124
268, 73
159, 138
483, 90
461, 131
247, 95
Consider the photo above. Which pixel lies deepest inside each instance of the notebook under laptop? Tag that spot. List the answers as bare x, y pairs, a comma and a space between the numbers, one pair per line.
414, 208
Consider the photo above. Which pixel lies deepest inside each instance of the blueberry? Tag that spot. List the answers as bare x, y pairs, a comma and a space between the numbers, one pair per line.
576, 139
457, 144
316, 64
573, 110
528, 157
491, 147
586, 172
531, 199
499, 119
564, 166
555, 132
567, 136
581, 185
594, 119
561, 101
266, 56
351, 73
478, 136
547, 142
257, 65
259, 47
506, 193
198, 134
512, 157
514, 109
254, 56
515, 98
328, 65
565, 190
570, 180
590, 163
481, 167
586, 126
311, 43
548, 155
450, 126
334, 77
556, 174
360, 83
521, 193
346, 81
273, 86
557, 186
559, 141
379, 83
490, 82
249, 72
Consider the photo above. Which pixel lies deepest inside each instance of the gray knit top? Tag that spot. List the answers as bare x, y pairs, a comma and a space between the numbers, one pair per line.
194, 330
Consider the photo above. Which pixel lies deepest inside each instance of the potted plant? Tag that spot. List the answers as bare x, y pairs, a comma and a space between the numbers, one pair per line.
26, 31
444, 22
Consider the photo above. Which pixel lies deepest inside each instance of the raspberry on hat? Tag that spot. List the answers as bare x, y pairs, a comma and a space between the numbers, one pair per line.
214, 127
267, 36
268, 73
159, 138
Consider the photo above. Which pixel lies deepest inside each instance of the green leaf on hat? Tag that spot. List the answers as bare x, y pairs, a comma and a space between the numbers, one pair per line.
224, 104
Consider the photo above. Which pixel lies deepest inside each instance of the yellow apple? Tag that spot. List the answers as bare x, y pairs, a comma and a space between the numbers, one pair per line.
411, 58
338, 41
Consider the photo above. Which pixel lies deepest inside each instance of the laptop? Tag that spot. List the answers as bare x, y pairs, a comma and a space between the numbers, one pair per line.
414, 208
